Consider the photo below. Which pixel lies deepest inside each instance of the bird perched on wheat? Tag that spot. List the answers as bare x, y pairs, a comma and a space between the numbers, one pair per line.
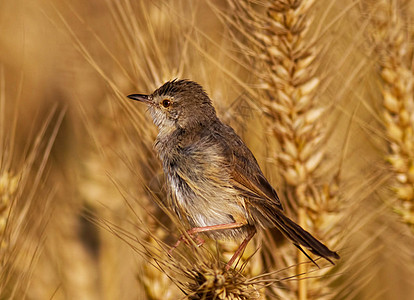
214, 181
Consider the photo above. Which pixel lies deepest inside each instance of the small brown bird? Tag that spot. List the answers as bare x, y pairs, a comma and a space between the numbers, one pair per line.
214, 180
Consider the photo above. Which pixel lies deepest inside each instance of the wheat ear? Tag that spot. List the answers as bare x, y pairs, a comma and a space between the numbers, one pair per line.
394, 50
285, 57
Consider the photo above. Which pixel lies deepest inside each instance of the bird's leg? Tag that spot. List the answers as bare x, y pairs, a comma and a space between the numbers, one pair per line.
194, 231
239, 251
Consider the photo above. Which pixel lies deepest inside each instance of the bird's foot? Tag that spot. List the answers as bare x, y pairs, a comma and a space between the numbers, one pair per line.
184, 238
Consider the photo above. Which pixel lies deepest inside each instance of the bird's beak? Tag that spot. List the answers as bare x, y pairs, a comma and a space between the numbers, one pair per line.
140, 97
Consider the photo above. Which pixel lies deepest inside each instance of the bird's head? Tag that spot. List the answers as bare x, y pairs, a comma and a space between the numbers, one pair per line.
178, 104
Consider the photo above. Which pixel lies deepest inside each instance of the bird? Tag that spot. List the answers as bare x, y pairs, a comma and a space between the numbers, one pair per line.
214, 181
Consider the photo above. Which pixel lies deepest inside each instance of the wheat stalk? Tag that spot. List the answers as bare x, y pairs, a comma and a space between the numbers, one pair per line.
392, 40
286, 61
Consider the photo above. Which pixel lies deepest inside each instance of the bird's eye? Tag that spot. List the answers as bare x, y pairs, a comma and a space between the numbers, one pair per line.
166, 103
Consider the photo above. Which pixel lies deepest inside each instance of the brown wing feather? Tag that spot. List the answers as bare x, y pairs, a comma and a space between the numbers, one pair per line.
255, 186
247, 176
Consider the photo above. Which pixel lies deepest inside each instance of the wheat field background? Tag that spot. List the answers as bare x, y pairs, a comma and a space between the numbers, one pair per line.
321, 91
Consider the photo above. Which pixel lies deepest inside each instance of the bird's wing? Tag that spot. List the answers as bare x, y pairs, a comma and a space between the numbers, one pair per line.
254, 185
246, 175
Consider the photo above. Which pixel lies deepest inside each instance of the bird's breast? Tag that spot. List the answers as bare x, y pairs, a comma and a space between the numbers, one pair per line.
201, 189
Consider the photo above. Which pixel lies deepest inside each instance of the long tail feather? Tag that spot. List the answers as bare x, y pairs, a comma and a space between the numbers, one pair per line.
298, 235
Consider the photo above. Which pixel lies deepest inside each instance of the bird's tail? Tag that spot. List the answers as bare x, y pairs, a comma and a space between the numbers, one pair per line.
295, 233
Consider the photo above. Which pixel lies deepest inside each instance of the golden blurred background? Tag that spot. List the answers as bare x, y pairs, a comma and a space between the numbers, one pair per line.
321, 91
